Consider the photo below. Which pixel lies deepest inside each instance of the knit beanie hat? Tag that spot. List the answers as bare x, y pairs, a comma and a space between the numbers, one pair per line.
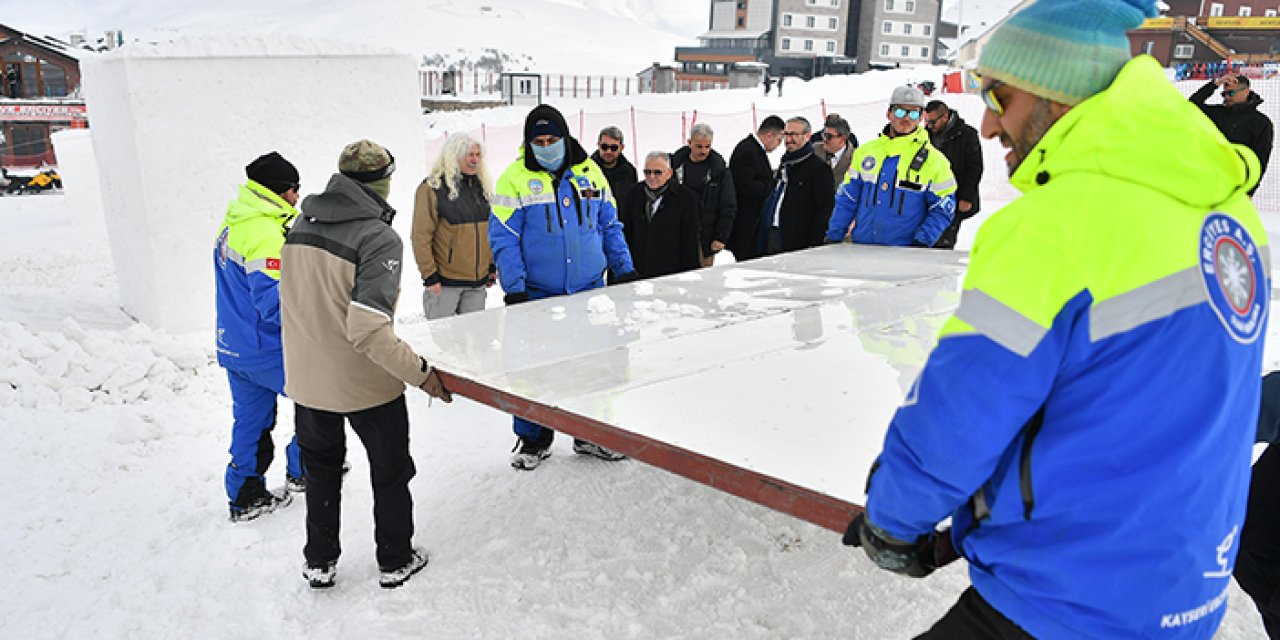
273, 172
1063, 50
369, 163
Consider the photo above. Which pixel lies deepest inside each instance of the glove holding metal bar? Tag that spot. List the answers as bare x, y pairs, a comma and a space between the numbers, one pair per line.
915, 559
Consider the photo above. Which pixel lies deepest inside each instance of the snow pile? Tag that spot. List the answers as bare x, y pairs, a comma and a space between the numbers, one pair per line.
227, 46
74, 368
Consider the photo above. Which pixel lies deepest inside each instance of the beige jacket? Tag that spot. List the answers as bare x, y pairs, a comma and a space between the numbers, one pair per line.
339, 284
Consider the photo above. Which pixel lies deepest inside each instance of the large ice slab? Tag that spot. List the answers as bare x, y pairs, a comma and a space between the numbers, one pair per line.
789, 367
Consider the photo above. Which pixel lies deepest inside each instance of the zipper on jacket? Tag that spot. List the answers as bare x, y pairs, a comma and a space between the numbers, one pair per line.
547, 210
577, 204
1024, 469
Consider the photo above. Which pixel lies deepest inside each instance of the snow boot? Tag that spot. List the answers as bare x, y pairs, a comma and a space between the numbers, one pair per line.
392, 578
262, 506
320, 576
592, 449
529, 454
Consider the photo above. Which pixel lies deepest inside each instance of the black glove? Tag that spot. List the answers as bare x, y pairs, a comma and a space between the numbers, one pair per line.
516, 298
915, 559
630, 276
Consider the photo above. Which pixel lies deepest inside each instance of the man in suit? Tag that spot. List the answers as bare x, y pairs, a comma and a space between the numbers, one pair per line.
835, 146
796, 213
752, 183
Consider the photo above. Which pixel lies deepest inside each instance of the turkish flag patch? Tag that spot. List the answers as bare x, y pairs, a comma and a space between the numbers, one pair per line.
273, 264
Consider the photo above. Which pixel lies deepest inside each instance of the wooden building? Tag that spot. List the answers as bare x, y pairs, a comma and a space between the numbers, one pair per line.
39, 94
1203, 31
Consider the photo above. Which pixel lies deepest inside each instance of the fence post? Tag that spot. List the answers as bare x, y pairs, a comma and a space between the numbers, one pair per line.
755, 122
628, 86
484, 134
575, 86
823, 103
634, 143
695, 118
582, 123
684, 126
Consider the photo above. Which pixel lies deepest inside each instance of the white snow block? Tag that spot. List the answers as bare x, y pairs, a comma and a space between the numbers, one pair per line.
79, 171
174, 126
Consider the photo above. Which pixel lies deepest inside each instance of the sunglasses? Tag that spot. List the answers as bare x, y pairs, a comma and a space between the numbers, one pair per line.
1229, 92
914, 114
827, 135
989, 97
653, 172
295, 186
610, 147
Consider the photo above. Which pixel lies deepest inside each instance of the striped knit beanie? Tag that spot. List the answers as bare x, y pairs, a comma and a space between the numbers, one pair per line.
1064, 50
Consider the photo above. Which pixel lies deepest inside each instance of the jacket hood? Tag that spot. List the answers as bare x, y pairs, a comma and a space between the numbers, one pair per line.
257, 201
573, 152
1142, 130
345, 199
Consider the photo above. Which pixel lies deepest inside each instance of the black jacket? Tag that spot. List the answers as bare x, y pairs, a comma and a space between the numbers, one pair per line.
1241, 124
752, 183
669, 242
808, 196
959, 143
718, 205
621, 177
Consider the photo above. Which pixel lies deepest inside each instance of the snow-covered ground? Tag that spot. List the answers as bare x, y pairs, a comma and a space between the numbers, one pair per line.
115, 518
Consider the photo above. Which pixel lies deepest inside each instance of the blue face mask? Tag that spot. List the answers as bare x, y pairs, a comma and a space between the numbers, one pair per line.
549, 157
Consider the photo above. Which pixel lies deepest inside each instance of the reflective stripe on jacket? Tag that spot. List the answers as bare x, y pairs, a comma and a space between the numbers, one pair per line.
887, 201
246, 266
1087, 416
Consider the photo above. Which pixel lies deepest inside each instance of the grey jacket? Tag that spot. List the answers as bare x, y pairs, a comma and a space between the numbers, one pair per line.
339, 284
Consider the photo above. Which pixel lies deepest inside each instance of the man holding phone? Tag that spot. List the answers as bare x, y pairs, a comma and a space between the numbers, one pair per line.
1238, 117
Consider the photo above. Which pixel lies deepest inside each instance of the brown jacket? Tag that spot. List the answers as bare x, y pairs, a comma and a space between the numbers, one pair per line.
842, 167
339, 284
451, 235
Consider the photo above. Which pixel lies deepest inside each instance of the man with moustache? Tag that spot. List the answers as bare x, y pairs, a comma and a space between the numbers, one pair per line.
1095, 488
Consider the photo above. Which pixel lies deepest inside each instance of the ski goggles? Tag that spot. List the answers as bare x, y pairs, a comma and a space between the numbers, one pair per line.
914, 114
989, 97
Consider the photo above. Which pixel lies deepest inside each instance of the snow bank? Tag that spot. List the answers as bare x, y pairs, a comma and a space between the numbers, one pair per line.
73, 368
79, 171
174, 126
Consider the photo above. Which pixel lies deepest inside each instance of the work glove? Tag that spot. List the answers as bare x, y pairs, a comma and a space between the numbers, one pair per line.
516, 298
435, 388
629, 276
915, 559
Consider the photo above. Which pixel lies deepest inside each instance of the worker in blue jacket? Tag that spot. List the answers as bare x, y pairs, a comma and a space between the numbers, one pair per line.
554, 230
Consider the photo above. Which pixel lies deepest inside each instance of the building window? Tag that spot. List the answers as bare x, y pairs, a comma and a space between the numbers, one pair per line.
924, 52
888, 27
808, 45
1148, 47
786, 44
1245, 11
928, 30
833, 23
1215, 9
810, 22
910, 6
742, 22
906, 51
906, 29
831, 46
835, 3
888, 5
786, 19
1184, 51
742, 4
884, 51
1270, 13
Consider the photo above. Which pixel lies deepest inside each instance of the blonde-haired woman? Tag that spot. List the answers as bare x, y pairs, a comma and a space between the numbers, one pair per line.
451, 230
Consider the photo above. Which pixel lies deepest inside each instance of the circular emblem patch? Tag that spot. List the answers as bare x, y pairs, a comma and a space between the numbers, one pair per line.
535, 186
868, 162
1234, 278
